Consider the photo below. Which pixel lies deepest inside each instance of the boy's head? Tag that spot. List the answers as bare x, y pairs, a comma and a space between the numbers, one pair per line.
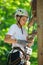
21, 16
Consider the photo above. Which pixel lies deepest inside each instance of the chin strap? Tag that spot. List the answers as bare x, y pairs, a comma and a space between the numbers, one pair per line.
20, 24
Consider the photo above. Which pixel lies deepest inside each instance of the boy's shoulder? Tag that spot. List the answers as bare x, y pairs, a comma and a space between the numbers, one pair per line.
13, 25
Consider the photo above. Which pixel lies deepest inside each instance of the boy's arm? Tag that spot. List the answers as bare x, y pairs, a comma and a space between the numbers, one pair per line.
8, 39
31, 40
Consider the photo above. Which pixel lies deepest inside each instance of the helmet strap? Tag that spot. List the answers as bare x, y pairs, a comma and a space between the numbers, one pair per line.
20, 24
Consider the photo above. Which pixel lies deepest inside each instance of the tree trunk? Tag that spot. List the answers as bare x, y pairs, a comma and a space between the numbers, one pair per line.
40, 31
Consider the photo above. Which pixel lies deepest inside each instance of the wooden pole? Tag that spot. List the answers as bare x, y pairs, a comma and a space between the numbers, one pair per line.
40, 31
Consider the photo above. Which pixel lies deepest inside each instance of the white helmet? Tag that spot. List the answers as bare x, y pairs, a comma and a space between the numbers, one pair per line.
21, 12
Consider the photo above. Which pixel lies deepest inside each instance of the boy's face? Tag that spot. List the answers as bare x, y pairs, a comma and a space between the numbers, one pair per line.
23, 20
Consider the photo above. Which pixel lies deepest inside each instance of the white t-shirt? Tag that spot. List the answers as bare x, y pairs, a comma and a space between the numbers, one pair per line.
16, 33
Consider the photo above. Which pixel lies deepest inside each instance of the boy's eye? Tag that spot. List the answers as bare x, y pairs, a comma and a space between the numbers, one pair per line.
24, 20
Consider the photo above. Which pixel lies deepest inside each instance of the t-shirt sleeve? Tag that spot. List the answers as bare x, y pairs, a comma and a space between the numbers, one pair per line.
11, 30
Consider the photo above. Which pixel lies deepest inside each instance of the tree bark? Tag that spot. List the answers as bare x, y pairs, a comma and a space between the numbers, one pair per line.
40, 31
